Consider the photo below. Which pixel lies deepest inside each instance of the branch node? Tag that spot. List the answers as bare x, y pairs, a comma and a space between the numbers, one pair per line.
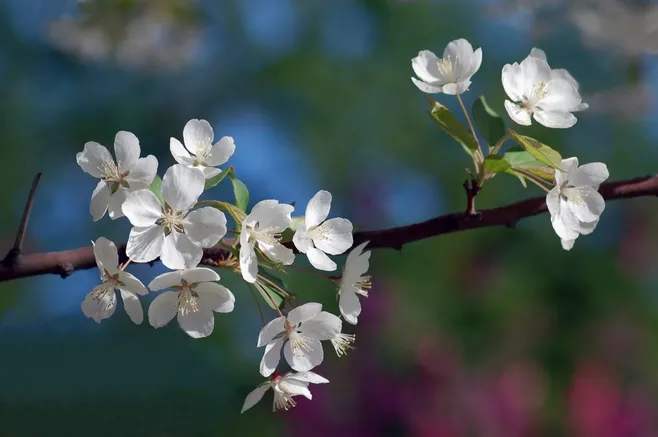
66, 270
16, 250
472, 189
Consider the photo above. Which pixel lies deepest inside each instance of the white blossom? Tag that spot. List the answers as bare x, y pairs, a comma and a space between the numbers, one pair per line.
285, 388
353, 283
575, 203
299, 334
550, 96
450, 74
262, 228
172, 230
316, 237
101, 302
117, 179
199, 151
192, 296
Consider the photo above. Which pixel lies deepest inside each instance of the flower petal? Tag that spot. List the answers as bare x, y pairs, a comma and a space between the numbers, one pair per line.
271, 330
199, 274
179, 252
317, 209
271, 357
131, 284
106, 254
248, 261
425, 66
215, 297
320, 260
133, 307
518, 114
324, 326
513, 81
305, 359
311, 377
205, 226
349, 305
143, 172
100, 198
255, 396
277, 252
567, 244
182, 186
163, 308
334, 236
270, 213
197, 324
180, 154
221, 151
145, 243
166, 280
126, 149
116, 203
555, 119
592, 175
99, 309
142, 208
209, 172
304, 312
585, 203
426, 87
198, 136
295, 387
356, 264
302, 240
94, 159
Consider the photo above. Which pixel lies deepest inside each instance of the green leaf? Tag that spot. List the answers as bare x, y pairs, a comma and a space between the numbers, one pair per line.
540, 151
523, 164
491, 125
240, 192
496, 164
272, 289
156, 187
453, 127
214, 181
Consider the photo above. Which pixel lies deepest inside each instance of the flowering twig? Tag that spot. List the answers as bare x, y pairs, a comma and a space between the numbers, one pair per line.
65, 262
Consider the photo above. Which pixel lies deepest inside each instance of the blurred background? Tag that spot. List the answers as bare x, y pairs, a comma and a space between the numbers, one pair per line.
493, 332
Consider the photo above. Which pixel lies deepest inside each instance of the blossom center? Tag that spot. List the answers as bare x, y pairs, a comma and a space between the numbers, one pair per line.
103, 295
172, 220
282, 399
445, 66
264, 235
343, 343
298, 342
111, 174
188, 299
537, 93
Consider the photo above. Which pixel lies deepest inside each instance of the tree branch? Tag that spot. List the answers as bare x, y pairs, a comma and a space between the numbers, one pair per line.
65, 262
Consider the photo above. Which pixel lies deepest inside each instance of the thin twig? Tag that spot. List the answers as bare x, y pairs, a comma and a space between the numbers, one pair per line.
17, 248
472, 189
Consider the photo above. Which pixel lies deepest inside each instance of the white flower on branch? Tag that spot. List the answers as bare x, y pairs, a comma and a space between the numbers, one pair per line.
575, 203
285, 388
299, 334
172, 230
128, 173
316, 237
353, 283
550, 96
199, 151
450, 74
193, 296
101, 302
262, 229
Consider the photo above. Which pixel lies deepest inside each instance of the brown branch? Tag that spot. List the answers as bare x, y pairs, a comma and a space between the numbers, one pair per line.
65, 262
17, 248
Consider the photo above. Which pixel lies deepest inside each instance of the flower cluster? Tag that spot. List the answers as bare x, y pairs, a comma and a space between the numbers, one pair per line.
535, 91
171, 223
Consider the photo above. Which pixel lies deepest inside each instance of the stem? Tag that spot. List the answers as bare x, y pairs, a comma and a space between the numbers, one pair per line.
494, 150
534, 180
471, 127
